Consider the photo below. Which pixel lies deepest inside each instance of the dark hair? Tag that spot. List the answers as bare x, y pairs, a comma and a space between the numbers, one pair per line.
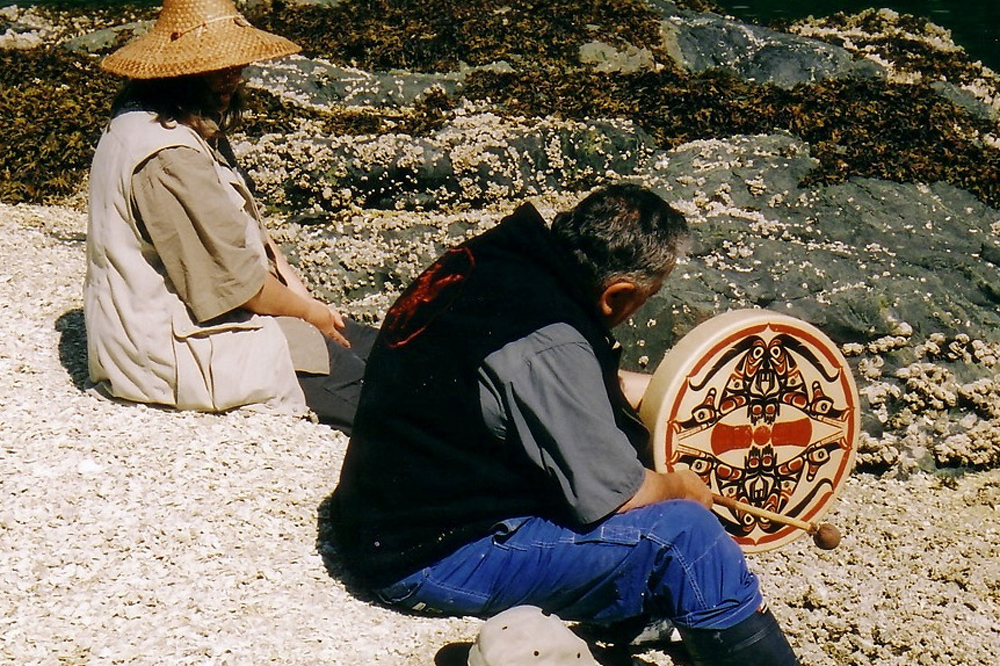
181, 99
623, 232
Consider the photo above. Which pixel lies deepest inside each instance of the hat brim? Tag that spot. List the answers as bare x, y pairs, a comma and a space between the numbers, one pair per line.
230, 43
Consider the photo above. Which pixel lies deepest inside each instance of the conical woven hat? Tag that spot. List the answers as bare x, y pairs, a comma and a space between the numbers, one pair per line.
194, 37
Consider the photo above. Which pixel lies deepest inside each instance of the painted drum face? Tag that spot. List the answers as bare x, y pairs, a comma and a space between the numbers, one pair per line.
764, 409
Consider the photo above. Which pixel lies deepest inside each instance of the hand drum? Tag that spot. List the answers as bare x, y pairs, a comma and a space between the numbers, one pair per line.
763, 407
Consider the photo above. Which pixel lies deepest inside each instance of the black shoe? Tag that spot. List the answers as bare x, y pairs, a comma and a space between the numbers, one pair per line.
756, 641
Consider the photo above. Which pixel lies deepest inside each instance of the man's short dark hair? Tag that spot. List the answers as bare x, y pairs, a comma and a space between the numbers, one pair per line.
623, 232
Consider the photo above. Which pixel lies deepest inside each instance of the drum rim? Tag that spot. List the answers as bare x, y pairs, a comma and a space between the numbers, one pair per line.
679, 359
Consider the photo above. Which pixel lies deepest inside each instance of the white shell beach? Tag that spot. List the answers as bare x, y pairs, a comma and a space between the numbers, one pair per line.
135, 535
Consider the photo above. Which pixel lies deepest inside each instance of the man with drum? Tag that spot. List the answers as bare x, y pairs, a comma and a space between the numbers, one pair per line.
496, 460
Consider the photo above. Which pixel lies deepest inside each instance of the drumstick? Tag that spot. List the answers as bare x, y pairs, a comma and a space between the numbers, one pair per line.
825, 535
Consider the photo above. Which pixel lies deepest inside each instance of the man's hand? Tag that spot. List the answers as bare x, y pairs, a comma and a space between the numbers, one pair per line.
658, 487
688, 485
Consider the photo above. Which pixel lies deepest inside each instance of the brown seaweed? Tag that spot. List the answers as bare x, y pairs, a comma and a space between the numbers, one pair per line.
55, 101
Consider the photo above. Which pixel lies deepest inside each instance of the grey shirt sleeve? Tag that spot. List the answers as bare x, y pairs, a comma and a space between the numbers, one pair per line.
546, 393
197, 231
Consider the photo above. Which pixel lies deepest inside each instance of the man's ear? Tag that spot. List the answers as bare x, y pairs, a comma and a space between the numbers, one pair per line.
619, 301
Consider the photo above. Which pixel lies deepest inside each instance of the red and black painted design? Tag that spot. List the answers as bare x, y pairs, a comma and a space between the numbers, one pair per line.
429, 295
767, 416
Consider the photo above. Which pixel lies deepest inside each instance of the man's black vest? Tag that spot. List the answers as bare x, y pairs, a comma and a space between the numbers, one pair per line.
423, 475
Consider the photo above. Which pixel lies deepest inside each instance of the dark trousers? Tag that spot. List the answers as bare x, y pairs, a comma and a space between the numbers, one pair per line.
334, 397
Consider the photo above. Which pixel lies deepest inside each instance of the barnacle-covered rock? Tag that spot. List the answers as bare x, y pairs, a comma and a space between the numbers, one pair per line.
475, 158
977, 447
878, 454
852, 258
864, 198
983, 395
909, 49
928, 386
317, 84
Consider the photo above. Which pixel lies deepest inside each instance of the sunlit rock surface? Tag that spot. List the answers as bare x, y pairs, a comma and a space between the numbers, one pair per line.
884, 268
371, 174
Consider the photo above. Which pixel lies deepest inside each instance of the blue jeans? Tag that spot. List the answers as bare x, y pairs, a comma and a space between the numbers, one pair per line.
668, 560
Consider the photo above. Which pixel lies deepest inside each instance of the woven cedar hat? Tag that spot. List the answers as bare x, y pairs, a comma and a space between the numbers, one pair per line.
194, 37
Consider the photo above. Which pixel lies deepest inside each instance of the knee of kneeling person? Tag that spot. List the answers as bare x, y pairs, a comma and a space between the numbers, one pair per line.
683, 525
696, 534
690, 517
699, 576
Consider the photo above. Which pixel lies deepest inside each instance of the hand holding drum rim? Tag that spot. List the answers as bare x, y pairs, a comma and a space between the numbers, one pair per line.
763, 408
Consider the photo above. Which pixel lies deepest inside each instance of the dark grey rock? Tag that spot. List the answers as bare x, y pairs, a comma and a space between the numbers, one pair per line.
101, 40
321, 84
758, 54
855, 259
965, 100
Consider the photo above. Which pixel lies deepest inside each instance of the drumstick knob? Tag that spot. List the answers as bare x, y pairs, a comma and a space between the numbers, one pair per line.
826, 536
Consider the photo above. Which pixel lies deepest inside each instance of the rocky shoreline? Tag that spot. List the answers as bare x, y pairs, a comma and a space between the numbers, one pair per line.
198, 544
133, 535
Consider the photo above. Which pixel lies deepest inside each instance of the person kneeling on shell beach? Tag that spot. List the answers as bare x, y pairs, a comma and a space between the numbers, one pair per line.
498, 461
188, 303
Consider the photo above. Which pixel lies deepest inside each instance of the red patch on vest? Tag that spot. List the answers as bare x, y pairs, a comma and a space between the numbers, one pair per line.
431, 293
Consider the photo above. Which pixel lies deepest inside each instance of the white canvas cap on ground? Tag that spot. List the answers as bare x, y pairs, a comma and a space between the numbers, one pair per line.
525, 636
